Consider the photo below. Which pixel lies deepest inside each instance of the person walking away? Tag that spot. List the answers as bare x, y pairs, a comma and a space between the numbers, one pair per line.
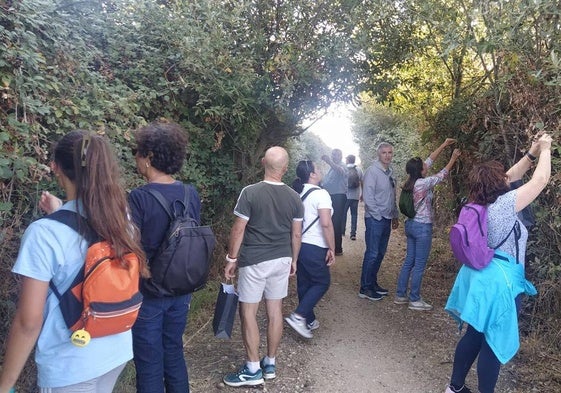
264, 244
478, 296
380, 217
158, 333
419, 229
317, 253
86, 169
354, 192
335, 182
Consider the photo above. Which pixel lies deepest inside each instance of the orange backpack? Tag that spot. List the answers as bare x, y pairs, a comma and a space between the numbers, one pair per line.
104, 297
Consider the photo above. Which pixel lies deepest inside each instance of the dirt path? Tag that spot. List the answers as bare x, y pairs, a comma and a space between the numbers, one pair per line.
361, 346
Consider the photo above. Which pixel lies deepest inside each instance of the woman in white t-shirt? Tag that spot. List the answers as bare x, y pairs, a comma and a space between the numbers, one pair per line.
86, 168
317, 253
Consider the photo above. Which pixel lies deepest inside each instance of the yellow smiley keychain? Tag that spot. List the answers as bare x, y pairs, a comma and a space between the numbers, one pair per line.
80, 338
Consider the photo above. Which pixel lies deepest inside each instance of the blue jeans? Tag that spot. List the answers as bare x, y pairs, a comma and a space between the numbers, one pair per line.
353, 205
376, 237
313, 279
419, 241
158, 345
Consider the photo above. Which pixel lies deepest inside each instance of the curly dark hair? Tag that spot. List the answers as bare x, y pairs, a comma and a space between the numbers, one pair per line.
487, 181
165, 143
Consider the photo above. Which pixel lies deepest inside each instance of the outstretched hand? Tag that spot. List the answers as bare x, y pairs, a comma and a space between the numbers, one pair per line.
449, 141
456, 153
544, 142
49, 203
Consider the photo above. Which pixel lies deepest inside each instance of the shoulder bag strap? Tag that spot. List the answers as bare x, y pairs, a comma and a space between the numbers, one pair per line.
517, 234
70, 218
162, 201
304, 197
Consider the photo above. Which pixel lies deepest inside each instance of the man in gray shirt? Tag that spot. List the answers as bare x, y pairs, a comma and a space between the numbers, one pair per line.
335, 182
264, 244
380, 216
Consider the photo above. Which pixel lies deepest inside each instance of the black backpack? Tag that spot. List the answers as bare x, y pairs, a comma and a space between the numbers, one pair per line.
182, 263
353, 177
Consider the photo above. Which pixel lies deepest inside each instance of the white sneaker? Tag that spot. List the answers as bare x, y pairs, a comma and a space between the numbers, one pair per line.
313, 325
299, 324
420, 305
401, 300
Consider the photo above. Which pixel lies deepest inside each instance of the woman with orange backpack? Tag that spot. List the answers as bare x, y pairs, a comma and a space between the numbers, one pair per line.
86, 169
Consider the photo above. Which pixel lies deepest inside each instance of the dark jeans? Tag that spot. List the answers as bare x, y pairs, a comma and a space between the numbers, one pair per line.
471, 345
376, 237
313, 279
158, 345
353, 205
338, 201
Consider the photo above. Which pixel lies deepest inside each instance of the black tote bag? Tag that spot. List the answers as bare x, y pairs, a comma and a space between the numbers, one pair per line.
225, 311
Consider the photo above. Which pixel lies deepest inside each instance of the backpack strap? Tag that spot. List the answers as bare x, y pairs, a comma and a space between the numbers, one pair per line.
304, 197
166, 205
70, 218
517, 235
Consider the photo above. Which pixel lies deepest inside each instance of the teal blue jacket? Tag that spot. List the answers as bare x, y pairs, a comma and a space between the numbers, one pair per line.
485, 299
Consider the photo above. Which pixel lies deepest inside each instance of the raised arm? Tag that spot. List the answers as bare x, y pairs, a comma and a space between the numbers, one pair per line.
336, 167
434, 155
521, 167
528, 192
455, 155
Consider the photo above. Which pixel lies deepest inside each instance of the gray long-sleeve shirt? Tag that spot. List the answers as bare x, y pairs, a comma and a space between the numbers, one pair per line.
378, 192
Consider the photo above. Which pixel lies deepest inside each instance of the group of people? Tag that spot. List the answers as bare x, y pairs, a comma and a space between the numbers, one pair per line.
86, 168
278, 231
282, 231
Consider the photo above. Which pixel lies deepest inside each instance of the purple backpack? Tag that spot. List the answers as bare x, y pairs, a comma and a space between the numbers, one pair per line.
468, 237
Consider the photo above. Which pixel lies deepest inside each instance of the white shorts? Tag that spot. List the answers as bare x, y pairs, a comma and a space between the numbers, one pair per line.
268, 277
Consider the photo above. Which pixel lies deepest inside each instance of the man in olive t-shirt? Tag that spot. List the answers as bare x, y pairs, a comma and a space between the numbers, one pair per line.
264, 244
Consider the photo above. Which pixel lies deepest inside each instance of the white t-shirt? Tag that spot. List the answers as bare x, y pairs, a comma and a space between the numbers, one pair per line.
53, 251
318, 199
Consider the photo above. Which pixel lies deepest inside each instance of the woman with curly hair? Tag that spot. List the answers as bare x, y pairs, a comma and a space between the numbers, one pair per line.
488, 300
86, 169
160, 151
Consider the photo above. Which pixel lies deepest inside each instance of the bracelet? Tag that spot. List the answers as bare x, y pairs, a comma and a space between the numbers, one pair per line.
230, 259
531, 157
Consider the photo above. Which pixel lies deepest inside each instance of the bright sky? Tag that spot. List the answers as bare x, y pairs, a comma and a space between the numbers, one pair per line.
334, 129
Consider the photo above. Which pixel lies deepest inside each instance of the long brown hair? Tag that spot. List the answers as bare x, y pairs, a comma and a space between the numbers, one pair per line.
487, 181
89, 162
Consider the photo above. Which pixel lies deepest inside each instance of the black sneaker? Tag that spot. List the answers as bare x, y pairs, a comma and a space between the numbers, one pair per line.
370, 295
381, 291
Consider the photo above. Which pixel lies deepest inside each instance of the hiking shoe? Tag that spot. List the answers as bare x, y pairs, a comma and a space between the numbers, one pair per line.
299, 324
420, 305
269, 370
244, 378
313, 325
379, 290
370, 295
353, 237
339, 253
450, 389
401, 300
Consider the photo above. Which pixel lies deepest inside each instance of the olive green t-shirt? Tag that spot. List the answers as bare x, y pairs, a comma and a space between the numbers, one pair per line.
269, 208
